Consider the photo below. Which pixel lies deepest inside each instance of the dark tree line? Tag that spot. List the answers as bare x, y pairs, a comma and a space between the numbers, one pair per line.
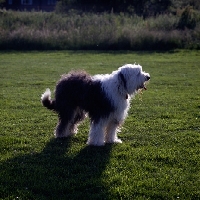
140, 7
143, 8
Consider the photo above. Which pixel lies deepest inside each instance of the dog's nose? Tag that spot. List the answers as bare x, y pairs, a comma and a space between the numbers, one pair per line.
147, 77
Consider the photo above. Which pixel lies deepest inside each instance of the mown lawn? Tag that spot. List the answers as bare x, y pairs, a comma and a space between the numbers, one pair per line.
160, 154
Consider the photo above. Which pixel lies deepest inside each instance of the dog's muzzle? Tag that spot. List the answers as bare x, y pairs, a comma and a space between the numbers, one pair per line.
147, 77
143, 86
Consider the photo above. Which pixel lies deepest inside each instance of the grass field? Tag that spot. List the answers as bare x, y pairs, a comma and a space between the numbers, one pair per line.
160, 154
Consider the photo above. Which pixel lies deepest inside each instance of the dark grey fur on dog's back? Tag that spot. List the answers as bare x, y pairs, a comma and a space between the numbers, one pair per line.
77, 89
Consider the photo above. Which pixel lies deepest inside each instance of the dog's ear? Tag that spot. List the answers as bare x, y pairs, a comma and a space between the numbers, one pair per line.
138, 71
123, 80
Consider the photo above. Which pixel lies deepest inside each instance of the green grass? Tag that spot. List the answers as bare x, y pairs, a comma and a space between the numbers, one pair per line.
158, 159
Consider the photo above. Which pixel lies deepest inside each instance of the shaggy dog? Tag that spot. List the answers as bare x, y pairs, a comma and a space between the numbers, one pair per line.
105, 98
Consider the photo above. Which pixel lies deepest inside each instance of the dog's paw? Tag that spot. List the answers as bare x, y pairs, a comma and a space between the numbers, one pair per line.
95, 143
63, 134
116, 140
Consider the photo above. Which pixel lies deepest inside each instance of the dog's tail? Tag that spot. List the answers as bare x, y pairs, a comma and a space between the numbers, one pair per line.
46, 100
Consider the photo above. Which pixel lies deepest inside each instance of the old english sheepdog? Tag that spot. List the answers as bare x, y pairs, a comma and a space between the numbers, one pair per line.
104, 98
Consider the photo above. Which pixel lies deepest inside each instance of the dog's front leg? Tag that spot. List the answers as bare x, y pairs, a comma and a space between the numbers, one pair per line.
111, 132
96, 134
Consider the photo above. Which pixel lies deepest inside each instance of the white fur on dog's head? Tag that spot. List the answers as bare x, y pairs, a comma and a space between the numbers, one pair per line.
131, 79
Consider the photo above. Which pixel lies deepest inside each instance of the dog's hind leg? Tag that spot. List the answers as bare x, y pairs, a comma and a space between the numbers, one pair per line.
79, 115
62, 129
111, 132
96, 134
65, 123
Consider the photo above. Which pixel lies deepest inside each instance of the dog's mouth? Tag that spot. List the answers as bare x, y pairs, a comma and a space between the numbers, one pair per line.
142, 87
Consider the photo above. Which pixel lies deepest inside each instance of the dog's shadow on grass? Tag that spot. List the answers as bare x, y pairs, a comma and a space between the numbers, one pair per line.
56, 173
